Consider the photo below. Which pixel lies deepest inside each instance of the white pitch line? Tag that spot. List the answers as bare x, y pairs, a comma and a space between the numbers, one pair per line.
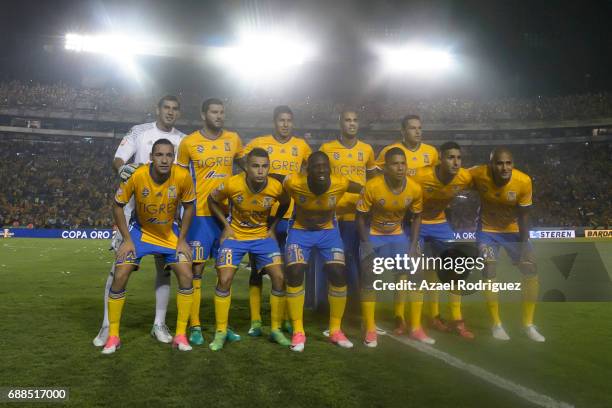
517, 389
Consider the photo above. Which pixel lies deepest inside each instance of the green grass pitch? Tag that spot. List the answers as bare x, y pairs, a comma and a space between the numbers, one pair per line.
51, 306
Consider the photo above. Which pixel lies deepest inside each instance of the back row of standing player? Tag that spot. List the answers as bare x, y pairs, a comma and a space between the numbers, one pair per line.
209, 154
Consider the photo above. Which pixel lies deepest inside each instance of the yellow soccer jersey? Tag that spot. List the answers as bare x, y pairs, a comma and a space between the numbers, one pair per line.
210, 162
314, 212
249, 211
156, 204
499, 205
285, 158
387, 209
424, 155
437, 196
351, 163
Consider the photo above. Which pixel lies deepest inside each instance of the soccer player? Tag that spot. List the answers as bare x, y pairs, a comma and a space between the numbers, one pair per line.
387, 199
441, 183
505, 199
315, 196
158, 189
136, 145
251, 195
209, 154
418, 154
288, 153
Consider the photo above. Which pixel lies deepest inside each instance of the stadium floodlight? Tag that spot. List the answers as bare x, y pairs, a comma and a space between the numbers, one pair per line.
264, 54
416, 59
110, 44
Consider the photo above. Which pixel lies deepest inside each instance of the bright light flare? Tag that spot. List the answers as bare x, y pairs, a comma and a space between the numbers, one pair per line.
416, 59
268, 54
110, 44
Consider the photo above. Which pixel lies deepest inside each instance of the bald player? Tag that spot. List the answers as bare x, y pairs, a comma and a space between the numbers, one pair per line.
505, 200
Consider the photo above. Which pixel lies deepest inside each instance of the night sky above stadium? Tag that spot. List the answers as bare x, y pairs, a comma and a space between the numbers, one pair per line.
543, 47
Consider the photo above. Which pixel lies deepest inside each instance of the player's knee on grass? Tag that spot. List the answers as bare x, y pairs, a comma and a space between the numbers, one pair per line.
183, 274
294, 275
336, 274
490, 269
225, 276
163, 274
198, 269
122, 274
367, 276
276, 277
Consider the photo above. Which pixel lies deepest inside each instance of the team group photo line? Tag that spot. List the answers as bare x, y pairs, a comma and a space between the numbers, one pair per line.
185, 199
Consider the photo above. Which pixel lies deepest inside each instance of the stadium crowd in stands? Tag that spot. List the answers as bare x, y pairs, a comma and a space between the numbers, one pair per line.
68, 183
450, 110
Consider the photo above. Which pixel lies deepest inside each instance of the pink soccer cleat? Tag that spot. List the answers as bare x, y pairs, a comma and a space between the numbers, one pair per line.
180, 342
419, 335
371, 339
338, 338
112, 344
297, 342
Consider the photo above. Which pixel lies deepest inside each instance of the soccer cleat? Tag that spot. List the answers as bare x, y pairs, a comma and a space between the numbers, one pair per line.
499, 333
437, 323
287, 327
461, 330
112, 344
161, 333
400, 326
420, 335
532, 332
180, 342
195, 335
255, 330
380, 332
326, 332
371, 339
232, 336
297, 342
100, 339
218, 342
338, 338
277, 336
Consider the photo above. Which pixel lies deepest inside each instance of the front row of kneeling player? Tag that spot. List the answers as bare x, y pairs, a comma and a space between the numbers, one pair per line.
161, 187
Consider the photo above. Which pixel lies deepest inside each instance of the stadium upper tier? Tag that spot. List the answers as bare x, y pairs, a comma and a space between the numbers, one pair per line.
111, 105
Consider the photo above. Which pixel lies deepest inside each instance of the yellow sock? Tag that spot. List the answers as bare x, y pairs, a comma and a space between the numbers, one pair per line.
433, 297
455, 306
255, 302
399, 305
493, 305
295, 307
116, 300
222, 305
416, 308
277, 306
531, 287
368, 309
194, 315
336, 296
184, 299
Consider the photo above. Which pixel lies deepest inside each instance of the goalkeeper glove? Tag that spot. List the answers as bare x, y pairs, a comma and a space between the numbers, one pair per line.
126, 171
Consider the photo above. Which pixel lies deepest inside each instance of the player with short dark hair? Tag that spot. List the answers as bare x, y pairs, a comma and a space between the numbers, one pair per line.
441, 184
158, 189
505, 199
251, 195
316, 196
288, 153
136, 147
386, 200
209, 154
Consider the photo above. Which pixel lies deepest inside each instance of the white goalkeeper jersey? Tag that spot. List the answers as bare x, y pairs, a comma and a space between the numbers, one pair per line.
137, 145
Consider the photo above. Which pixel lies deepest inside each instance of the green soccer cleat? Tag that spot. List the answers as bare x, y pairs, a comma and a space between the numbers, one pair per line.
218, 342
232, 336
195, 335
287, 327
277, 336
255, 330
